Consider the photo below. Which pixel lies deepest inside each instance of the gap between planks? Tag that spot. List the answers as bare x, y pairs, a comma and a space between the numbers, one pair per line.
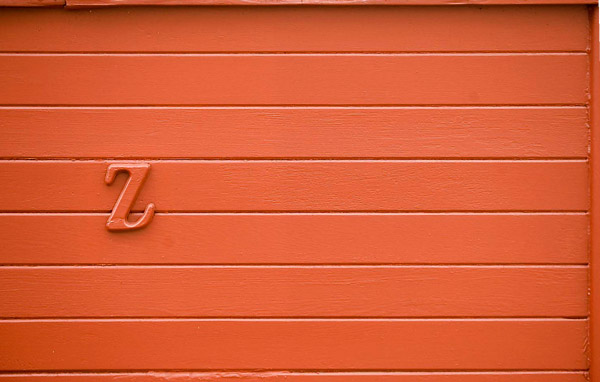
222, 160
271, 266
283, 53
288, 106
320, 54
300, 319
299, 107
291, 265
254, 372
517, 213
291, 318
298, 159
299, 212
116, 372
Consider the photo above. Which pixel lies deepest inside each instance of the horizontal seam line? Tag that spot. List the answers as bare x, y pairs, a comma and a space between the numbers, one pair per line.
346, 318
309, 213
323, 319
132, 105
288, 371
109, 372
321, 107
125, 265
341, 160
298, 266
220, 53
300, 54
292, 159
14, 211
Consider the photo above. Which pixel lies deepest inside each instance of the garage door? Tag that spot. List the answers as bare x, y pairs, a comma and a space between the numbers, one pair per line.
299, 193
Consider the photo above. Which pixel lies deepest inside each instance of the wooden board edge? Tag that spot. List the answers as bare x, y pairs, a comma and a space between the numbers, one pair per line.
594, 110
105, 3
32, 3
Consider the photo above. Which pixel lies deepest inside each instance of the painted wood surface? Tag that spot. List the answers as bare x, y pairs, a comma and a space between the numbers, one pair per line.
285, 132
412, 238
32, 3
306, 79
558, 376
467, 153
296, 29
308, 291
512, 344
303, 186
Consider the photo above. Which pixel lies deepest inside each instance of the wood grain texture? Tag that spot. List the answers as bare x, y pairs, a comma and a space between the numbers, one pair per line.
294, 132
303, 186
298, 239
554, 376
516, 344
296, 29
442, 291
32, 3
308, 79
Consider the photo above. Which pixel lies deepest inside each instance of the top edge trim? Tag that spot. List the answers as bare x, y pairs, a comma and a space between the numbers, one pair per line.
112, 3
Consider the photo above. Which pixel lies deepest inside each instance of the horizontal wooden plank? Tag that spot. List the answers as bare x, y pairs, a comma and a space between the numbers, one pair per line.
296, 29
515, 344
308, 79
293, 132
303, 186
309, 291
541, 376
298, 239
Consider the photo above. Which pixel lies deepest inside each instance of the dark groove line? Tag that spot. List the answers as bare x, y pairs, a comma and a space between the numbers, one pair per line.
266, 318
291, 266
390, 105
293, 159
289, 53
275, 319
252, 372
312, 160
299, 107
287, 371
295, 54
269, 213
106, 211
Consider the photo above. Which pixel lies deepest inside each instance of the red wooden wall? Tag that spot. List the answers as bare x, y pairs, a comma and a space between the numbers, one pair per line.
343, 194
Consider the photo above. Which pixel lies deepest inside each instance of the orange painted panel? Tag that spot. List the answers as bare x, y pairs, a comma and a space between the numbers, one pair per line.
294, 132
514, 344
308, 291
557, 376
298, 239
297, 29
411, 185
303, 185
306, 79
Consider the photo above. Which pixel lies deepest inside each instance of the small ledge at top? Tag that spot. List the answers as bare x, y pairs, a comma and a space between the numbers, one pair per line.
105, 3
